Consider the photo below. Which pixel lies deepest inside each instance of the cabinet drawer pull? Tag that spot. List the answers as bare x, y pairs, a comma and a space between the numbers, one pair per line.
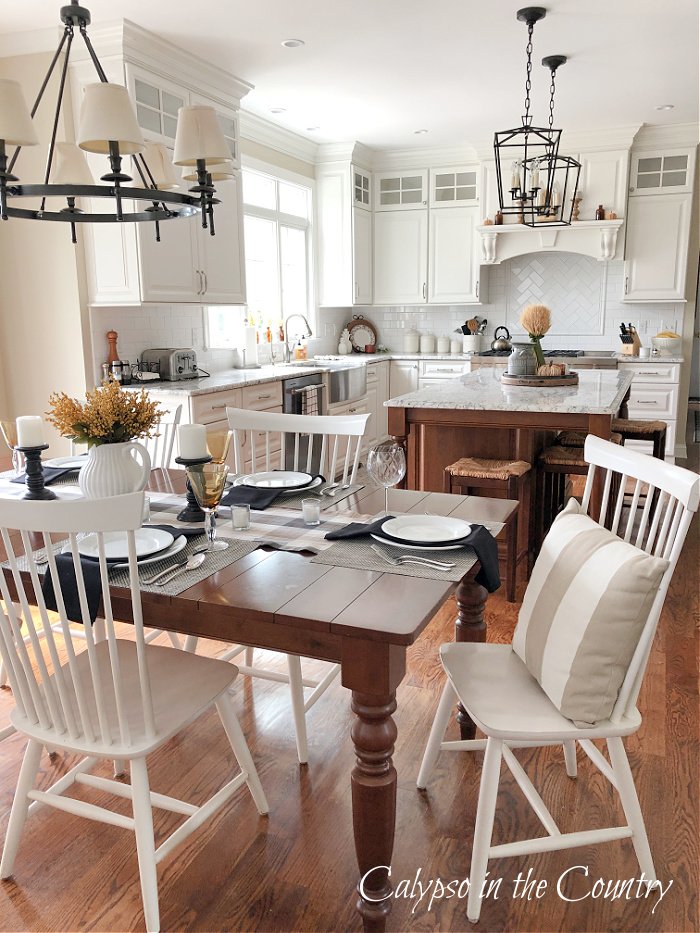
214, 407
269, 395
642, 402
648, 372
424, 289
477, 288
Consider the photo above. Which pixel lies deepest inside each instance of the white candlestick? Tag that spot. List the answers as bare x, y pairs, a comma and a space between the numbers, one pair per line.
192, 441
30, 431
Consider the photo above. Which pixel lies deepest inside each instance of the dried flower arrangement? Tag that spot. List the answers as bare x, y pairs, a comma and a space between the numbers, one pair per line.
536, 320
109, 415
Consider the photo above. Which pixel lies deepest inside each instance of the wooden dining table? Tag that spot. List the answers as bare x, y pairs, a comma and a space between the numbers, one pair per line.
363, 620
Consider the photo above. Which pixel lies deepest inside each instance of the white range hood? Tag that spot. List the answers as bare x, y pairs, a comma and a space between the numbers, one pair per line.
595, 238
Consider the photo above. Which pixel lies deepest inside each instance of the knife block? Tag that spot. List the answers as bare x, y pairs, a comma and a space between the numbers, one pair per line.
632, 348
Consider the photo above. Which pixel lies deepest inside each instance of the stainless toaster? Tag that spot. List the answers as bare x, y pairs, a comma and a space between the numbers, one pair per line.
171, 364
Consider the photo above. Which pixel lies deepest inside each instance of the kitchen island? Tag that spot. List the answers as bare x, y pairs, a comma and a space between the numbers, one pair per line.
477, 416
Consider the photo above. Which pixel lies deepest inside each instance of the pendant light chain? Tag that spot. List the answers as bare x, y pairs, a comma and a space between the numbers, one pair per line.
551, 101
528, 71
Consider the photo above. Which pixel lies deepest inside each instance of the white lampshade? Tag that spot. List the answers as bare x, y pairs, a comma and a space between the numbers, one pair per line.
199, 136
219, 171
160, 166
107, 115
16, 126
70, 166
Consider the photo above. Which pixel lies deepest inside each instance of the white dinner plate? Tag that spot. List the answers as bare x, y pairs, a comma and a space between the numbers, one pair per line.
425, 529
276, 479
147, 540
419, 547
316, 481
66, 462
178, 544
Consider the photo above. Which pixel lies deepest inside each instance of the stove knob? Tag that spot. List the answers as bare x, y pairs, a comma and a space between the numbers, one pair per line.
180, 369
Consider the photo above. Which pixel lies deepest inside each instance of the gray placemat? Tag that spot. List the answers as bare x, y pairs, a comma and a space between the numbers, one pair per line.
183, 581
358, 554
294, 502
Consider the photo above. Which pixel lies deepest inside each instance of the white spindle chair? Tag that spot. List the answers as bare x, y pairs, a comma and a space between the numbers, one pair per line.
106, 699
259, 443
510, 708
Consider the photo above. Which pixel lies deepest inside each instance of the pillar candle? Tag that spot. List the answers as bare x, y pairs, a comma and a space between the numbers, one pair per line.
30, 431
192, 441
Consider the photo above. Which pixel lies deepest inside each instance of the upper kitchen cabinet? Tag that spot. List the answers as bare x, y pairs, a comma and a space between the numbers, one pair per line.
344, 242
454, 187
658, 225
400, 191
603, 180
124, 263
401, 257
453, 269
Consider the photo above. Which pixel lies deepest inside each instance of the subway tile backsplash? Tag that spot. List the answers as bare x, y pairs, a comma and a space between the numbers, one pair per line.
583, 294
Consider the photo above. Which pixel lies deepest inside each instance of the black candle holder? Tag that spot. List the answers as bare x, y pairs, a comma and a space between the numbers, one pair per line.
192, 512
35, 474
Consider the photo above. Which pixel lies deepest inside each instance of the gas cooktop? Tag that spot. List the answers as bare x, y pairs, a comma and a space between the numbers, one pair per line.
545, 352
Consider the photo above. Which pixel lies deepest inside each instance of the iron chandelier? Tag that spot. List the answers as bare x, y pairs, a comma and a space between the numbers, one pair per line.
108, 125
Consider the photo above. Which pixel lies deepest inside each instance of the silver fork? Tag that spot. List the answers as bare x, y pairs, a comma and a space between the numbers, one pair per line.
413, 559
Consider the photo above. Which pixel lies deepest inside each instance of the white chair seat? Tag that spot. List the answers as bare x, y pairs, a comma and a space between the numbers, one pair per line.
505, 700
183, 686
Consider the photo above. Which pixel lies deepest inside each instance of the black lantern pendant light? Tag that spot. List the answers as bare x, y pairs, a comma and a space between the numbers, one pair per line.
519, 151
108, 126
558, 174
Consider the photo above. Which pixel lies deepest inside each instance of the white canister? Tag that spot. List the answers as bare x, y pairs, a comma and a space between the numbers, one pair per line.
443, 344
456, 345
427, 343
471, 343
411, 341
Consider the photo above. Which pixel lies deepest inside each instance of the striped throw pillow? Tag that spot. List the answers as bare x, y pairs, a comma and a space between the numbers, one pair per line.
584, 609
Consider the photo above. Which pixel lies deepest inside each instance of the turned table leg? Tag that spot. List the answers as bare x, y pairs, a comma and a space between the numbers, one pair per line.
469, 626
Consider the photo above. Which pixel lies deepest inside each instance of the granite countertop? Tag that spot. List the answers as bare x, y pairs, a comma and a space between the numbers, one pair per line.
598, 392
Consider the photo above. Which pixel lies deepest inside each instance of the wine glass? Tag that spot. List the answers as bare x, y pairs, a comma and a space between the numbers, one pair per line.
386, 464
208, 482
219, 444
9, 433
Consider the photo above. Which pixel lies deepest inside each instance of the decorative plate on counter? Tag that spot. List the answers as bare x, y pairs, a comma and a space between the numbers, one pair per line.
362, 333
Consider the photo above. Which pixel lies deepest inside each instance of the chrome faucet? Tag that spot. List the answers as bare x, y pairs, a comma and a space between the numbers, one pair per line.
307, 333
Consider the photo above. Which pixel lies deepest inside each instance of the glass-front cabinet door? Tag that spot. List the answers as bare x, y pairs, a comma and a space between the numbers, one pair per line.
361, 188
661, 172
157, 103
400, 191
454, 187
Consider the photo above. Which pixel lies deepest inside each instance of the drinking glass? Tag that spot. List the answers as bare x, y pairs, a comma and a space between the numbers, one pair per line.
386, 464
219, 444
208, 482
9, 433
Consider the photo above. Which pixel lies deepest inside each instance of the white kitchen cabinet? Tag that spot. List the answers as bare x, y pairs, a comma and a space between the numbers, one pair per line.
359, 406
377, 394
125, 265
656, 249
371, 431
654, 395
453, 270
400, 191
401, 257
403, 377
670, 170
344, 241
603, 180
454, 187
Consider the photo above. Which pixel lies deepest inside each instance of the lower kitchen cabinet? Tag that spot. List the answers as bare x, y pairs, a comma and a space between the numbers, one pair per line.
654, 396
403, 377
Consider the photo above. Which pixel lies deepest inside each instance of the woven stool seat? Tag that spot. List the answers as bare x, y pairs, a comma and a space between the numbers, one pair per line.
479, 468
571, 438
627, 426
560, 455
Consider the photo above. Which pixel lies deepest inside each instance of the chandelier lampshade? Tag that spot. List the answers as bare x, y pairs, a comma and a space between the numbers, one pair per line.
70, 166
107, 116
159, 162
16, 127
217, 171
199, 137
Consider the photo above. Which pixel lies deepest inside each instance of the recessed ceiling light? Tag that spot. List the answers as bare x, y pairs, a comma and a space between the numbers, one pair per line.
278, 109
293, 43
665, 107
419, 132
312, 129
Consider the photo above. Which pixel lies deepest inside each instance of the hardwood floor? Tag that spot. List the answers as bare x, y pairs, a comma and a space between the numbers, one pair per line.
296, 869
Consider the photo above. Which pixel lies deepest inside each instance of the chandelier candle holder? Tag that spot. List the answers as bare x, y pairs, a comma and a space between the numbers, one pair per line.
192, 511
107, 126
35, 474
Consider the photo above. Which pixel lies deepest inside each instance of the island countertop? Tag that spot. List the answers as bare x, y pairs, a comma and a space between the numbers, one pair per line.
599, 392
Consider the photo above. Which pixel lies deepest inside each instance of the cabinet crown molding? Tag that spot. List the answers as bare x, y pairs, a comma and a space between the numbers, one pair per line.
357, 153
259, 130
141, 47
681, 135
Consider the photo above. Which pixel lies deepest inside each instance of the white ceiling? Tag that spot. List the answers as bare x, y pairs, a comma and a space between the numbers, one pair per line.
377, 70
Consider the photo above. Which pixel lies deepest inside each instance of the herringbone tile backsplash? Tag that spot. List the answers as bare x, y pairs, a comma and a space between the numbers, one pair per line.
572, 286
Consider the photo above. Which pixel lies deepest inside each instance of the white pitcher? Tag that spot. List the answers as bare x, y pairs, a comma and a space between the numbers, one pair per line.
112, 470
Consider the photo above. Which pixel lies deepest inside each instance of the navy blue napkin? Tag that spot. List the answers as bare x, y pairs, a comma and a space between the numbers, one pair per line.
51, 474
69, 587
479, 538
176, 531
